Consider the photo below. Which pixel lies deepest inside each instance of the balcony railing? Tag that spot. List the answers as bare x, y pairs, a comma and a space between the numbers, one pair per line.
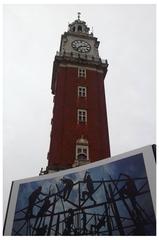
80, 56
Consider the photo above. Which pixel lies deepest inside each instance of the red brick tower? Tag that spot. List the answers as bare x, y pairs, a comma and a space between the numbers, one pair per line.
79, 132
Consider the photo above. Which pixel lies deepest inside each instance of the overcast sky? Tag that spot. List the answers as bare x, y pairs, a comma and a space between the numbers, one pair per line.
32, 37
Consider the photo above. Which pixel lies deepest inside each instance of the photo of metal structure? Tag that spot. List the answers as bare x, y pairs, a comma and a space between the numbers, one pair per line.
78, 219
112, 199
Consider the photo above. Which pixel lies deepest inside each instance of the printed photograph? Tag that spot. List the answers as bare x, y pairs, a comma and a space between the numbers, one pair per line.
111, 199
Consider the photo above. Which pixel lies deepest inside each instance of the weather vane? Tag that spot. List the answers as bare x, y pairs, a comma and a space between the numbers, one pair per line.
79, 15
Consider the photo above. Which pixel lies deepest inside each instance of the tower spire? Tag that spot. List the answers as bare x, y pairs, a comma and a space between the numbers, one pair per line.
79, 15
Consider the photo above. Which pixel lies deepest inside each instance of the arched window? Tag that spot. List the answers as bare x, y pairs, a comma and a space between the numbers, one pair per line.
73, 29
82, 150
80, 28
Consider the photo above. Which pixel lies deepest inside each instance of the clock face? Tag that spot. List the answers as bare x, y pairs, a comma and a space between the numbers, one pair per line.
81, 46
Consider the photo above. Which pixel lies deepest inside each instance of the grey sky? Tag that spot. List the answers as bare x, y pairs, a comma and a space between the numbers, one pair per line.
32, 37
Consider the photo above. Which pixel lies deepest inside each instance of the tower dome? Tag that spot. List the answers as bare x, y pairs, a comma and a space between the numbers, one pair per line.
78, 26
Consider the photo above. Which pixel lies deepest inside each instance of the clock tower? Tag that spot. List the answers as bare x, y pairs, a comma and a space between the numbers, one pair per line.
79, 133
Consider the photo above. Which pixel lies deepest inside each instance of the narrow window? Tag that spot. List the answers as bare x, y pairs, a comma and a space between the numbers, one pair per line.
82, 72
80, 28
73, 29
82, 91
81, 116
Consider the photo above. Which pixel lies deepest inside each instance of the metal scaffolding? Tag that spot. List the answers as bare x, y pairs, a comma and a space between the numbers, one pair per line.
88, 207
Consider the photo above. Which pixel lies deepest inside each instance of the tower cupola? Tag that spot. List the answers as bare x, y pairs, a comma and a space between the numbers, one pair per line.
78, 26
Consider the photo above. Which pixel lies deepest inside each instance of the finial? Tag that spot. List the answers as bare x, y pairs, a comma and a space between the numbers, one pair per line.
79, 15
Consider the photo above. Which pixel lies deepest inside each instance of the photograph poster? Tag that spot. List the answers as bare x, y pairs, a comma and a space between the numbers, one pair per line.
114, 196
